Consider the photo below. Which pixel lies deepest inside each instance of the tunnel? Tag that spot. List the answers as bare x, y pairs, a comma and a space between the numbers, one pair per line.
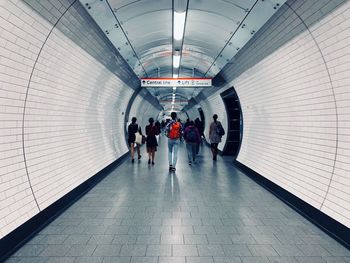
71, 81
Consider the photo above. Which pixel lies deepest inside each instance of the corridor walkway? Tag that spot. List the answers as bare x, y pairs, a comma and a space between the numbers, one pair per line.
204, 213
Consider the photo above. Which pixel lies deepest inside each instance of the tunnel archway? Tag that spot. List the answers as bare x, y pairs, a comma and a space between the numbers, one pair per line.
234, 122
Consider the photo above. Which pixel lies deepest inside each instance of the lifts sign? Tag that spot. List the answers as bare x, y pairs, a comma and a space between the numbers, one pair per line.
177, 82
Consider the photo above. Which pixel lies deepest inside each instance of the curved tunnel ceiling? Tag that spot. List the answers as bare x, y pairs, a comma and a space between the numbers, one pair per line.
215, 31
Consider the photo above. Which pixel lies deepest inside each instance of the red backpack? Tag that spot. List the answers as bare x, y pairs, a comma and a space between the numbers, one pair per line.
175, 130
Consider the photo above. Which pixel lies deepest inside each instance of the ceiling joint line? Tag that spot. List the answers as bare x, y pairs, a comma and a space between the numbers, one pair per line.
131, 46
131, 3
236, 5
239, 26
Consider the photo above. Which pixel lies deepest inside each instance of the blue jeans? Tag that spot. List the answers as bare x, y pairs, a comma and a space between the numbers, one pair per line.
191, 151
173, 145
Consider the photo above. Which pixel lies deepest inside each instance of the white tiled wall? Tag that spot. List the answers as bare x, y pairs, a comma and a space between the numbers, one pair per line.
293, 82
61, 113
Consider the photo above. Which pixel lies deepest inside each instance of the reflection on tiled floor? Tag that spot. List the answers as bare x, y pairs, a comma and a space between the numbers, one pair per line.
208, 212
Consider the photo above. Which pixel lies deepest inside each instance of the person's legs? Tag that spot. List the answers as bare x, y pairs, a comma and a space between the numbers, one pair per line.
138, 152
189, 152
170, 152
194, 151
149, 154
132, 151
212, 148
153, 155
175, 149
215, 151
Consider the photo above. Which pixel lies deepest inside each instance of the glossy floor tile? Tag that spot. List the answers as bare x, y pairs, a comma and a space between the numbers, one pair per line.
206, 212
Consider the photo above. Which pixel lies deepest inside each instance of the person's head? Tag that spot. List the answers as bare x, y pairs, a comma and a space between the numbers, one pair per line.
188, 119
150, 120
173, 115
133, 120
215, 117
191, 123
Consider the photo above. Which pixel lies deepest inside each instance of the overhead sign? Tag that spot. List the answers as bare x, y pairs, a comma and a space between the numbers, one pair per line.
177, 82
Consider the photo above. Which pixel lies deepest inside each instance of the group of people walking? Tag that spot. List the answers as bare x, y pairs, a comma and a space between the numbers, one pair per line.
192, 132
152, 130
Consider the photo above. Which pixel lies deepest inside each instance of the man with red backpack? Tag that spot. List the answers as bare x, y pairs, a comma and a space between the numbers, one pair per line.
173, 132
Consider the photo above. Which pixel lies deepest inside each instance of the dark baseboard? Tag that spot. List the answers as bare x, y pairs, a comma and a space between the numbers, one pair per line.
332, 227
18, 237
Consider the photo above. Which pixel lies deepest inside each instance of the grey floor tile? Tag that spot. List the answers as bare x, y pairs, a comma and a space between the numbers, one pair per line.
124, 239
219, 239
204, 230
210, 251
133, 250
310, 260
49, 260
225, 230
195, 239
255, 260
227, 260
313, 250
101, 239
117, 230
262, 250
144, 260
52, 229
290, 239
337, 259
163, 230
158, 250
282, 260
288, 250
185, 250
77, 239
199, 259
48, 239
135, 213
116, 260
236, 250
55, 250
337, 250
191, 222
148, 239
107, 251
180, 230
88, 260
172, 260
139, 230
266, 239
172, 239
81, 250
171, 221
242, 239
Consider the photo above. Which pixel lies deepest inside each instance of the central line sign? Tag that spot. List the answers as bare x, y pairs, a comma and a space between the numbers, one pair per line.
178, 82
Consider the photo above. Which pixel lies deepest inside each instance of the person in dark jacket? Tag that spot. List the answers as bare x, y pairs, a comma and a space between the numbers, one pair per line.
199, 125
192, 138
151, 141
132, 129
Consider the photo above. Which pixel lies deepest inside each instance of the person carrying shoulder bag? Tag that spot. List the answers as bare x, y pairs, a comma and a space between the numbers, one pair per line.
133, 128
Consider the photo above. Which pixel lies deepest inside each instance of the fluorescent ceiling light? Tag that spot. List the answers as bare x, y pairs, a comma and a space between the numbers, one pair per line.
179, 25
174, 89
176, 61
